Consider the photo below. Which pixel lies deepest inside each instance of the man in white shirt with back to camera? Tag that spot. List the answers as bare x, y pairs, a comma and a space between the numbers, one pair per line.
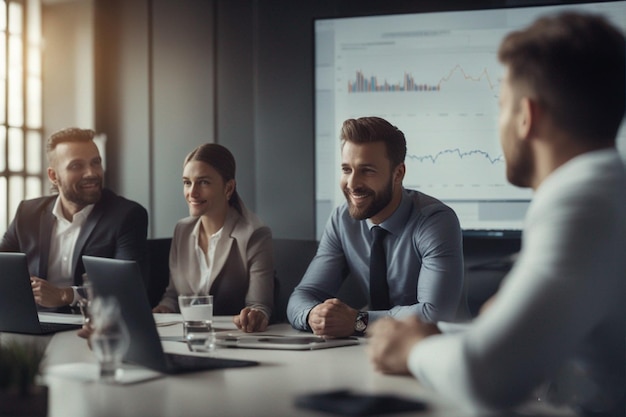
557, 326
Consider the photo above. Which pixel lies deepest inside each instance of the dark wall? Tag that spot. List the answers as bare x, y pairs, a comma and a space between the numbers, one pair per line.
235, 86
155, 97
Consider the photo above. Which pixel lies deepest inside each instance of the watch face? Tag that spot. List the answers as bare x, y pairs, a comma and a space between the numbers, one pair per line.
361, 322
360, 325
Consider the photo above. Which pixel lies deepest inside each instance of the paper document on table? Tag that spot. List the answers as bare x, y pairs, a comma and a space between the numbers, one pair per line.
169, 319
62, 318
90, 372
223, 323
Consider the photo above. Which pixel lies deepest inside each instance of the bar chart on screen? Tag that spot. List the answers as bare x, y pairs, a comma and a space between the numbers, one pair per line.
435, 76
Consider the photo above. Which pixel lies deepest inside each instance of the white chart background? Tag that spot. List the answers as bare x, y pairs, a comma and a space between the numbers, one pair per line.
453, 150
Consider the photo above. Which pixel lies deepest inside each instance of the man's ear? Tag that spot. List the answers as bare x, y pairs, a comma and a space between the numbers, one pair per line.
398, 173
528, 117
52, 175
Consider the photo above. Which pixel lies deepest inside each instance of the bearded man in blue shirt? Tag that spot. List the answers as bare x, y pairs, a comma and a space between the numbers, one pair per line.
423, 255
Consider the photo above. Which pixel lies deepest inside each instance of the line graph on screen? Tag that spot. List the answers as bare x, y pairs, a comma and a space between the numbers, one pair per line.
447, 107
436, 76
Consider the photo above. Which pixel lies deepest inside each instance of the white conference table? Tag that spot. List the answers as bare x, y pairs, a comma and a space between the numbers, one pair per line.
268, 389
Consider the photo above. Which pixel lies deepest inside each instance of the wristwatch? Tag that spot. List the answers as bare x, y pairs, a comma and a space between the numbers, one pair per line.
360, 324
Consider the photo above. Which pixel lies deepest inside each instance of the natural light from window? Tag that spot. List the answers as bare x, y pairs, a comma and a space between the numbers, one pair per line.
21, 141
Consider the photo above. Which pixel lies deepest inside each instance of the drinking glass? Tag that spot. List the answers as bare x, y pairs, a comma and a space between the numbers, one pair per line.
110, 338
85, 294
197, 312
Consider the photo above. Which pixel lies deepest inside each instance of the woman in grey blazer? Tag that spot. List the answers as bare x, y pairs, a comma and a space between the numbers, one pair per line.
222, 248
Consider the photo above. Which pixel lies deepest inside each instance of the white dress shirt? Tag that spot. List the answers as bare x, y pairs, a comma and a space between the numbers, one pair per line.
205, 260
559, 317
62, 242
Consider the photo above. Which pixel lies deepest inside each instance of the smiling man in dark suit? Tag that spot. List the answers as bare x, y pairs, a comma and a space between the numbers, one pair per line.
82, 219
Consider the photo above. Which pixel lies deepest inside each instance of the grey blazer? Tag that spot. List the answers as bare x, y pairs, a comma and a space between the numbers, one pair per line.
243, 265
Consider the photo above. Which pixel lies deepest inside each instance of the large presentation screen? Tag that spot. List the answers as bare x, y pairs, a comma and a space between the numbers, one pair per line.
437, 78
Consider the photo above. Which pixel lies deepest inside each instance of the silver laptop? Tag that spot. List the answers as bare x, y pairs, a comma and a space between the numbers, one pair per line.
122, 280
18, 310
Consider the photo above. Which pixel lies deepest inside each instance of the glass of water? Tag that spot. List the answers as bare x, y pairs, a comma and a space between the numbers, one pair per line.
197, 312
85, 296
110, 338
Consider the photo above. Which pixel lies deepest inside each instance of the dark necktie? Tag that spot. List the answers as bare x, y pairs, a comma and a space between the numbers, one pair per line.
379, 290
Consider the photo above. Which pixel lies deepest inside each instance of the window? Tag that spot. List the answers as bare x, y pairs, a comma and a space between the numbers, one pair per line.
21, 138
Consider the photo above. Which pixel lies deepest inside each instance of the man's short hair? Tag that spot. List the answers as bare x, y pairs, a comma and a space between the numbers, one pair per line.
376, 129
70, 134
574, 65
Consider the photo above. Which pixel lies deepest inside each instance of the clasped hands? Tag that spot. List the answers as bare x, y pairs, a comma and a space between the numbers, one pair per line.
389, 340
332, 318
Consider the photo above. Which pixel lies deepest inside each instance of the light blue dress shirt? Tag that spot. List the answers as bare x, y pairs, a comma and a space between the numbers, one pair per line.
424, 250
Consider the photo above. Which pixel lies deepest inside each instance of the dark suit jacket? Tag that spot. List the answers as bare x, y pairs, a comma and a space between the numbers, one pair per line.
116, 228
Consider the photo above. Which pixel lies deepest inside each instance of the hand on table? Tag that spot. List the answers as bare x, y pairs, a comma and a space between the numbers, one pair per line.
332, 318
251, 320
85, 332
391, 341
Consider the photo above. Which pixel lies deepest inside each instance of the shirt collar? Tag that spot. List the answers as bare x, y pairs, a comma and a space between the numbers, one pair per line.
80, 216
196, 231
395, 223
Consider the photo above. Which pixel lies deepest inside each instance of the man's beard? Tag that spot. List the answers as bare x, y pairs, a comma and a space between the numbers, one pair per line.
80, 197
520, 166
380, 201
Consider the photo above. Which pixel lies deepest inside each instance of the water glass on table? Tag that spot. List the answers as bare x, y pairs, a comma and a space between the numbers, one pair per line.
197, 312
110, 338
85, 296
